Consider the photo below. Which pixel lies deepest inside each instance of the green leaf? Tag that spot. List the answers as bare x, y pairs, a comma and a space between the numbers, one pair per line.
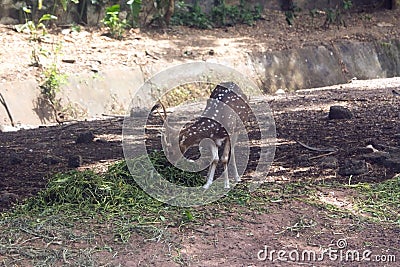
47, 17
114, 8
189, 215
26, 10
21, 27
64, 4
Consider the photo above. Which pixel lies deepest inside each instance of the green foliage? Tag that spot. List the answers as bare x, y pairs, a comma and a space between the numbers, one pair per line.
380, 201
64, 3
221, 15
76, 28
53, 79
347, 4
135, 7
191, 16
335, 15
35, 29
115, 25
313, 15
52, 83
228, 15
292, 13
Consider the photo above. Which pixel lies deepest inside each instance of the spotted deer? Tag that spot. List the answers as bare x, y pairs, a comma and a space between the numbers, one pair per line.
219, 122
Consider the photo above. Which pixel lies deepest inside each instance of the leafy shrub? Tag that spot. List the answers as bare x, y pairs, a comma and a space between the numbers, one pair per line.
35, 29
221, 15
192, 16
115, 25
229, 15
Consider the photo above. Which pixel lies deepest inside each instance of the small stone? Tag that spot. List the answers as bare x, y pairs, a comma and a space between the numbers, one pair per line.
353, 167
384, 24
68, 60
85, 138
66, 31
51, 160
339, 112
74, 161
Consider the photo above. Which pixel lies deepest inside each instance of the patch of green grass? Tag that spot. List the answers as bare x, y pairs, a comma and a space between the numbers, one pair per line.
81, 213
380, 201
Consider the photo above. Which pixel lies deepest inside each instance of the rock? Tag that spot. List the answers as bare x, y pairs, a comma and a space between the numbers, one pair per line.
280, 91
8, 21
328, 163
51, 160
392, 162
8, 128
7, 198
353, 167
376, 157
74, 161
139, 112
15, 159
85, 138
339, 112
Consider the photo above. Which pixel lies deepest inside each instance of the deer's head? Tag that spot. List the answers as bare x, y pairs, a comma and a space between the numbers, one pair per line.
172, 140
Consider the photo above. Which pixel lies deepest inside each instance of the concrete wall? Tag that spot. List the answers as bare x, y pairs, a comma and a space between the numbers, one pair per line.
87, 95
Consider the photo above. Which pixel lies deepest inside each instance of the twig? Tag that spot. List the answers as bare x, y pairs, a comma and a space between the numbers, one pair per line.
147, 53
328, 149
3, 102
344, 99
113, 115
396, 93
323, 155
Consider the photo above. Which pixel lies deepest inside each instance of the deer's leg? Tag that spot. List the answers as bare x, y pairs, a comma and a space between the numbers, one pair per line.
214, 152
234, 138
225, 160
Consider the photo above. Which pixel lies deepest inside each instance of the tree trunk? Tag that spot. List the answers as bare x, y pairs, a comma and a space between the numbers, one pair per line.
169, 12
287, 5
390, 4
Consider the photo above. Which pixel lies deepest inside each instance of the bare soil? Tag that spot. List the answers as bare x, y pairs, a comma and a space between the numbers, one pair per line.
29, 157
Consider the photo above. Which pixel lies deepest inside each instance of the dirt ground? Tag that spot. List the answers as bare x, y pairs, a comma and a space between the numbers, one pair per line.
29, 157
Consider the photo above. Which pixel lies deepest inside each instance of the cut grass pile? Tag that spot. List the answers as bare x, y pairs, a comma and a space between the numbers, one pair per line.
81, 213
